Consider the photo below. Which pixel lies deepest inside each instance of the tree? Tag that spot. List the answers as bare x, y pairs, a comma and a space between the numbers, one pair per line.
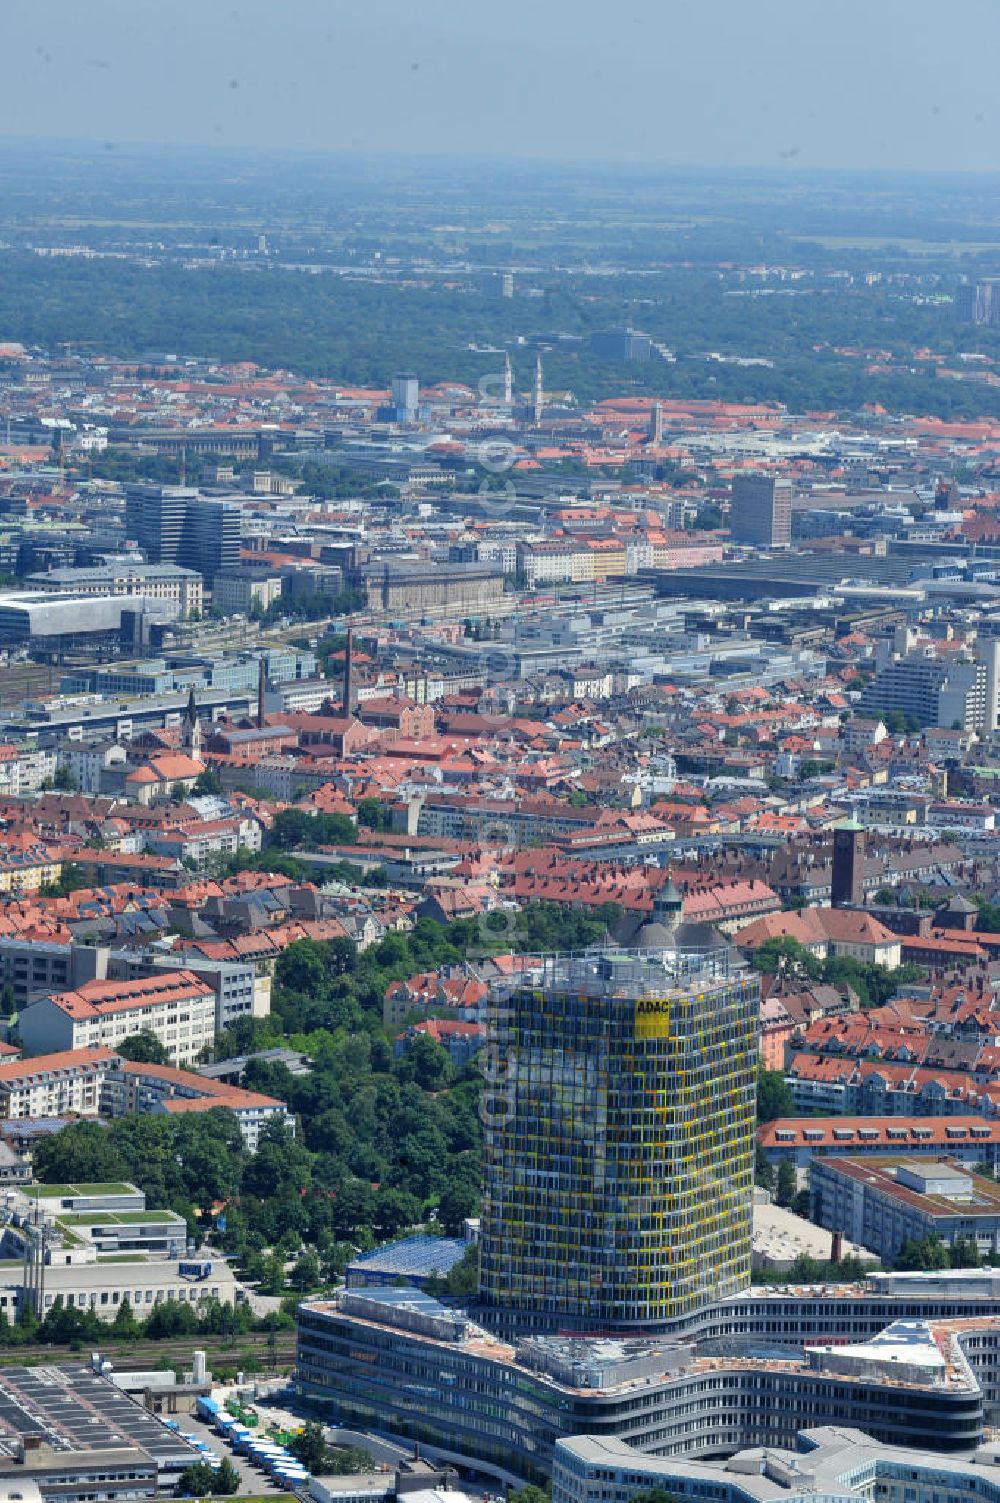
458, 1202
610, 915
763, 1169
344, 1460
851, 1269
394, 1211
208, 782
427, 1062
200, 1479
307, 1270
66, 1323
922, 1254
82, 1153
310, 1447
280, 1166
144, 1048
70, 879
272, 1275
64, 781
372, 814
294, 828
806, 1270
774, 1096
812, 768
964, 1253
785, 1186
125, 1326
171, 1318
786, 954
227, 1479
196, 1480
708, 517
988, 918
462, 1279
302, 967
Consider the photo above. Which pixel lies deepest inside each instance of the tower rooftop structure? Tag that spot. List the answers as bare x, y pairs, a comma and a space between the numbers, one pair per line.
668, 930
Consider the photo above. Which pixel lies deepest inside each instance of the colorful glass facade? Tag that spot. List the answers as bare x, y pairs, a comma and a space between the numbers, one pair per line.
619, 1151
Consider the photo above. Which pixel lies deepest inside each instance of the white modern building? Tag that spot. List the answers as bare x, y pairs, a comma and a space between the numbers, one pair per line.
835, 1464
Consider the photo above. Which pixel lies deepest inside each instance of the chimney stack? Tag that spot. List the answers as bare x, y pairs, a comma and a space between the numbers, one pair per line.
348, 673
261, 685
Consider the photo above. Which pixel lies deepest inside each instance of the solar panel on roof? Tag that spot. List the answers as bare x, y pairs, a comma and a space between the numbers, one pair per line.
415, 1255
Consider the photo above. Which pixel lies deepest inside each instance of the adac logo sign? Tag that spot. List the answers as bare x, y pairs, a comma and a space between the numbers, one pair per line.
652, 1018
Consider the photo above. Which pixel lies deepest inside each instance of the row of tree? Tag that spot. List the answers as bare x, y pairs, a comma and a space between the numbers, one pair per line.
66, 1325
359, 331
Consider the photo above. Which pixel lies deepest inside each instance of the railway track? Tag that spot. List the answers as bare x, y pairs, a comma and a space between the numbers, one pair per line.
251, 1352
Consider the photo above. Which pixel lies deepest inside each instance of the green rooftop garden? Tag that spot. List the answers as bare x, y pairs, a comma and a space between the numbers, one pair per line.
63, 1192
120, 1218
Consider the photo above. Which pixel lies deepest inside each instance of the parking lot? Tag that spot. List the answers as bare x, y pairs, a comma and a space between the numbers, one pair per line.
253, 1482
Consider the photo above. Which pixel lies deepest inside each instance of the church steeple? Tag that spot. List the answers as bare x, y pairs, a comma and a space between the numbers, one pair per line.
191, 737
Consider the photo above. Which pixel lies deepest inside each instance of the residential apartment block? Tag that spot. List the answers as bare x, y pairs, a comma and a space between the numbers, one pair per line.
176, 1007
159, 1088
55, 1085
102, 1083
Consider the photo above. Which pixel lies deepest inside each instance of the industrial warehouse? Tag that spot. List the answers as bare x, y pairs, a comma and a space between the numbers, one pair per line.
75, 1435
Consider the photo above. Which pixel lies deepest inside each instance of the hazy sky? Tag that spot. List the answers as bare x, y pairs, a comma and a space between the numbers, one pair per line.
822, 83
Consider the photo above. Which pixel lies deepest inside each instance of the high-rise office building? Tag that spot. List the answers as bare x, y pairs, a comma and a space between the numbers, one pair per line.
154, 518
761, 511
621, 344
619, 1158
934, 691
211, 538
978, 302
965, 302
405, 396
177, 525
988, 653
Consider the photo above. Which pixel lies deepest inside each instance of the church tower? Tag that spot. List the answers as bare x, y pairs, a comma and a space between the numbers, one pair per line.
191, 737
538, 395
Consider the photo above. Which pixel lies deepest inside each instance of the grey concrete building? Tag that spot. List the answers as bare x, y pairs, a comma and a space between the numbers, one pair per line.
884, 1202
761, 511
